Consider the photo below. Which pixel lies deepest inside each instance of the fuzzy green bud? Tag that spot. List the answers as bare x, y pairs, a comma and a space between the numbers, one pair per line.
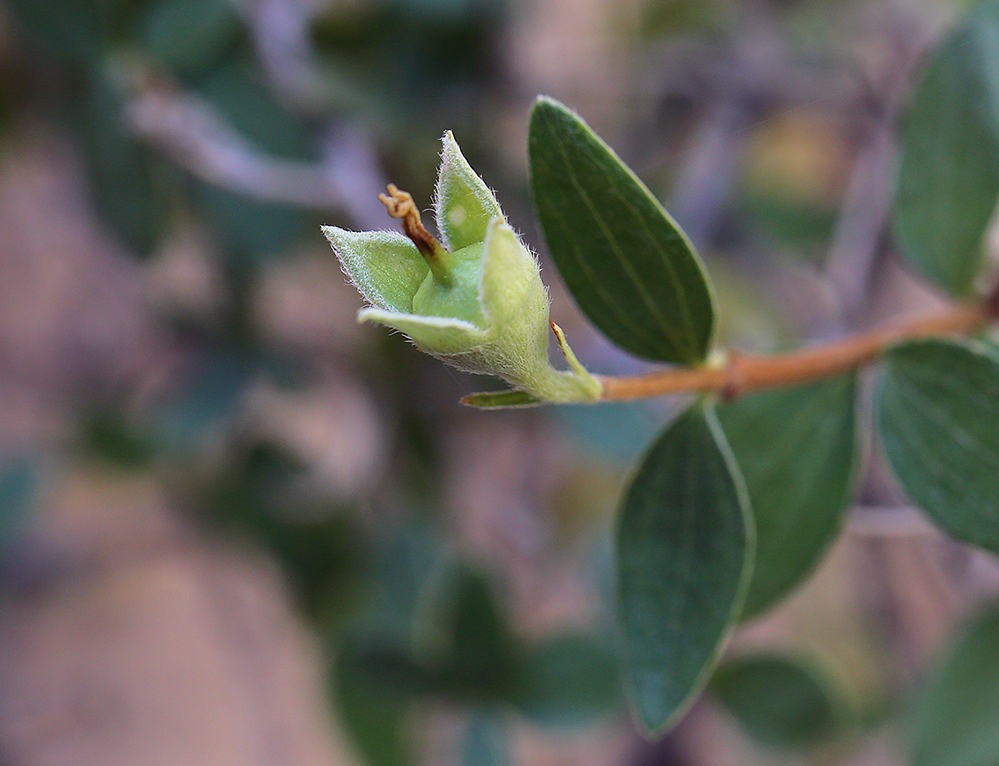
476, 301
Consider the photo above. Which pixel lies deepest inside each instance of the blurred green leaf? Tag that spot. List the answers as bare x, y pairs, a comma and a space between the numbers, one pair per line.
939, 421
450, 12
188, 36
777, 701
799, 224
949, 176
661, 18
467, 654
325, 553
479, 655
67, 31
568, 681
327, 560
128, 191
250, 228
626, 262
955, 719
685, 550
404, 562
391, 666
373, 714
484, 743
376, 673
108, 434
796, 448
212, 392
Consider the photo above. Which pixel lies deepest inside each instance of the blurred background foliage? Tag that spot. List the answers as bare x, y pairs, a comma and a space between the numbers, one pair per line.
179, 358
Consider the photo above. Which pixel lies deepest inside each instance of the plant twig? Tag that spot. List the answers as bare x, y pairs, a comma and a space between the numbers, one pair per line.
748, 372
200, 140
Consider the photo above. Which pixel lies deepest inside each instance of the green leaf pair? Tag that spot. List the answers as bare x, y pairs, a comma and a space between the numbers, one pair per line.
683, 556
765, 479
685, 562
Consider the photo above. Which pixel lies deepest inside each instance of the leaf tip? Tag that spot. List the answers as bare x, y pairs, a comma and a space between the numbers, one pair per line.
449, 148
547, 105
332, 233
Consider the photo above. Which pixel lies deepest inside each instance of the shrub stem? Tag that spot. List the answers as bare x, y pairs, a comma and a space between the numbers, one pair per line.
747, 372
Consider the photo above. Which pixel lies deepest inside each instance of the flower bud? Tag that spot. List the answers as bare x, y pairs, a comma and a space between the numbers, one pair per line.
476, 301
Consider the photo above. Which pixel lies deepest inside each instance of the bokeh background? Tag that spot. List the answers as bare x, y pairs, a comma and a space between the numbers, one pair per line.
238, 528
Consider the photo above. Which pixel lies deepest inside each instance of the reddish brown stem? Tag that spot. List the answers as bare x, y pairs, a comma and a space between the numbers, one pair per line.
748, 372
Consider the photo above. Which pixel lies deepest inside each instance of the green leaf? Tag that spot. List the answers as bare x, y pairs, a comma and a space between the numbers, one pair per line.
110, 435
949, 177
628, 265
403, 565
955, 720
211, 394
392, 668
568, 681
495, 399
685, 550
796, 449
467, 653
776, 701
939, 422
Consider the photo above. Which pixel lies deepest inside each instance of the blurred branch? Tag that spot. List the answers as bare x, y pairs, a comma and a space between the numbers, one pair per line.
190, 132
867, 203
194, 135
889, 521
280, 33
737, 89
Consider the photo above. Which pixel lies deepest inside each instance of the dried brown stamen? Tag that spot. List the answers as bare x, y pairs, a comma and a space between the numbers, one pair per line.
400, 205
